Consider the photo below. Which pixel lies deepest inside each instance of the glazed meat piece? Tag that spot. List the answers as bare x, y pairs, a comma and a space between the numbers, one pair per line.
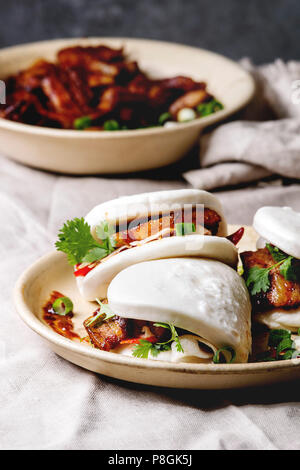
282, 293
109, 334
189, 100
88, 87
88, 56
145, 229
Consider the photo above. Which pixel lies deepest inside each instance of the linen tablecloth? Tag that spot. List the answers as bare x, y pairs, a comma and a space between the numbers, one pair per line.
48, 403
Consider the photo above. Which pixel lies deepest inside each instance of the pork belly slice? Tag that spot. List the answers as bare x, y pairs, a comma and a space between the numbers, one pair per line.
281, 294
147, 227
108, 335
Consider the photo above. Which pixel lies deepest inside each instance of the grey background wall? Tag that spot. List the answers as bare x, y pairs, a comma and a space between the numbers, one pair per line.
260, 29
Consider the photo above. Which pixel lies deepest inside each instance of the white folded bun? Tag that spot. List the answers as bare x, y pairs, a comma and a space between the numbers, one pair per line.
280, 318
279, 226
127, 208
204, 297
195, 349
95, 283
139, 205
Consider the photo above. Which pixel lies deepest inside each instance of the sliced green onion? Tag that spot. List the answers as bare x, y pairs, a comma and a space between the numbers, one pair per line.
209, 107
216, 358
105, 313
111, 125
62, 306
82, 123
164, 117
184, 228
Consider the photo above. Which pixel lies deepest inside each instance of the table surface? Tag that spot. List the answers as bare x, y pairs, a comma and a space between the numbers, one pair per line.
48, 403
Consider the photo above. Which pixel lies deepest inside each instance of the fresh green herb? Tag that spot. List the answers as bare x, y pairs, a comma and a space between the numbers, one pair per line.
277, 254
62, 306
144, 348
276, 337
104, 314
76, 241
105, 233
184, 228
174, 335
82, 123
209, 107
164, 117
94, 255
258, 280
280, 347
284, 345
290, 267
111, 125
217, 355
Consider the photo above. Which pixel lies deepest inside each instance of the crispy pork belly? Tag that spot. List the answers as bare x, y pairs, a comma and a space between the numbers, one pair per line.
145, 228
281, 294
109, 334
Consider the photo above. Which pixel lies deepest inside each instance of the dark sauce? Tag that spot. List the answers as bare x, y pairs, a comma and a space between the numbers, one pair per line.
63, 325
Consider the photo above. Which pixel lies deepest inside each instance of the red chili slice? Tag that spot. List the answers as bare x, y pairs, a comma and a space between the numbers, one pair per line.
83, 271
236, 236
151, 339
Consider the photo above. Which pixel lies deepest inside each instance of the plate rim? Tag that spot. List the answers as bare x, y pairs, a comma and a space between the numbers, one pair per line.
30, 319
68, 133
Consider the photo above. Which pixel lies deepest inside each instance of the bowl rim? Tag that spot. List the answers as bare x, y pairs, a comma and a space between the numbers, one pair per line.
28, 316
131, 133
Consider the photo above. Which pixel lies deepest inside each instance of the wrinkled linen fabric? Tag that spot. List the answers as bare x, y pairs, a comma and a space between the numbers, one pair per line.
265, 141
49, 403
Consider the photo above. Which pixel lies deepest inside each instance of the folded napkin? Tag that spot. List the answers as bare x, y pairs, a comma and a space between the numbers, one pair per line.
266, 141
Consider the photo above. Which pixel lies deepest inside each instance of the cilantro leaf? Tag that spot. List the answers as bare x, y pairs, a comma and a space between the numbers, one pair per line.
277, 336
174, 335
75, 239
94, 254
258, 280
290, 270
277, 254
143, 348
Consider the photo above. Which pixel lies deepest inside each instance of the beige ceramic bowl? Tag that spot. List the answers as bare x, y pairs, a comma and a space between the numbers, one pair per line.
52, 272
80, 152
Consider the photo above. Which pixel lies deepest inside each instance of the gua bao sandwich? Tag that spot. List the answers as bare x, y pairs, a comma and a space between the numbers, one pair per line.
272, 273
143, 227
166, 274
177, 310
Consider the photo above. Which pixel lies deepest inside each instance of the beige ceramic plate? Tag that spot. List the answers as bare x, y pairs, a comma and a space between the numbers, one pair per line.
78, 152
52, 272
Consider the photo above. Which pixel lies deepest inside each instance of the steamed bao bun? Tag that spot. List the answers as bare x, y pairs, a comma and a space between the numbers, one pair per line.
204, 297
127, 208
279, 226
